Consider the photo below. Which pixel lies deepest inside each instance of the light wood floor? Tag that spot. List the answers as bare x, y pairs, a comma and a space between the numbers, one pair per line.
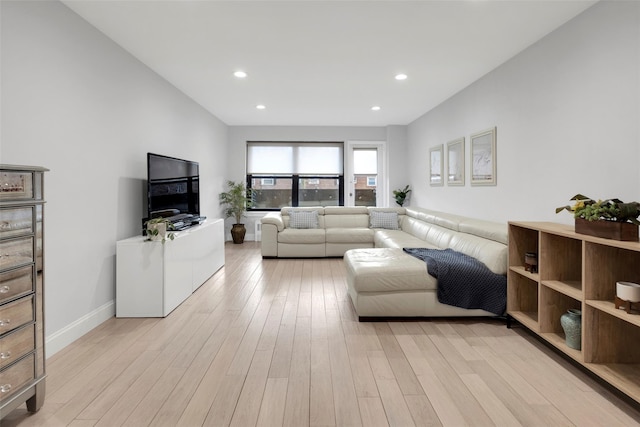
276, 342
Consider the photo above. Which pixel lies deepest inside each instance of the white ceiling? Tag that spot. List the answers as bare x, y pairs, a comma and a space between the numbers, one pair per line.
324, 62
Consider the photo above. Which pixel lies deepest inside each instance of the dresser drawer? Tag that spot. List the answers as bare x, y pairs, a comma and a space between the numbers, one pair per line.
16, 344
16, 221
16, 185
16, 252
14, 283
16, 376
16, 314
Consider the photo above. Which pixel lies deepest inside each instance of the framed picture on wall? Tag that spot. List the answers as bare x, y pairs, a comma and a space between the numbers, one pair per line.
455, 162
435, 165
483, 157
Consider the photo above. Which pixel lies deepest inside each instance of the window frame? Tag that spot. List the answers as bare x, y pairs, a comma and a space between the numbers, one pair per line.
258, 171
295, 188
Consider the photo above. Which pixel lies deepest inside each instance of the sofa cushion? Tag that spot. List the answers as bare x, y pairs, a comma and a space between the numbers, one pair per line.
398, 239
349, 235
490, 253
302, 236
388, 220
303, 219
489, 230
443, 219
346, 221
387, 270
346, 210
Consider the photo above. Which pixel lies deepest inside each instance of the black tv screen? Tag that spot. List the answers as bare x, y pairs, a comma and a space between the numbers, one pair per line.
172, 186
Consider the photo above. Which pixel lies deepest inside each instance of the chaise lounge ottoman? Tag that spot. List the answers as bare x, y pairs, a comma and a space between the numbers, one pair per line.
387, 282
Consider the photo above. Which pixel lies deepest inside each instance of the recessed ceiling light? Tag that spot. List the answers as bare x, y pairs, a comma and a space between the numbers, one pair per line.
240, 74
376, 108
261, 106
401, 77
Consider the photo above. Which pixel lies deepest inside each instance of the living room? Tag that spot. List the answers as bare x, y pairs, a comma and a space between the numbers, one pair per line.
566, 111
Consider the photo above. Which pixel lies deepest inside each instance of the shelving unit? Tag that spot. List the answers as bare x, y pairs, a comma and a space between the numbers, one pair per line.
578, 271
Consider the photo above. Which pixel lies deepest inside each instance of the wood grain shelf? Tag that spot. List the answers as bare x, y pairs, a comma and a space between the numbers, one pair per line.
530, 320
610, 308
559, 342
625, 376
578, 271
520, 270
572, 289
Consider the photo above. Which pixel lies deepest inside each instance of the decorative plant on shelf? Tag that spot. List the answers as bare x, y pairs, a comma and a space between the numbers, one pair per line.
610, 219
157, 229
401, 195
603, 210
237, 200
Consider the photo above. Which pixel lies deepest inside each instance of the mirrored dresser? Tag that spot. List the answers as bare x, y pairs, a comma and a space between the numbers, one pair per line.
22, 358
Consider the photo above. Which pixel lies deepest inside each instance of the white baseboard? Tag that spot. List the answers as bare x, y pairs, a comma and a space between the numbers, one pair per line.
65, 336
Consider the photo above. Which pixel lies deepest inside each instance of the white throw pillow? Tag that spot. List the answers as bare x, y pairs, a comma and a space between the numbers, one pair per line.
388, 220
303, 219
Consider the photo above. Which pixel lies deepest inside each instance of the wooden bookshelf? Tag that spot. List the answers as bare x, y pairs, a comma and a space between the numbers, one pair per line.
578, 271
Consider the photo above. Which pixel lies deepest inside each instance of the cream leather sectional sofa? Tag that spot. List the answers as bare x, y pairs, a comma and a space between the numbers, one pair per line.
382, 279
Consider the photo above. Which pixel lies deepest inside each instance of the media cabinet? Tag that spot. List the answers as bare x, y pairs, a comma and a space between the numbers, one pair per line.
578, 271
153, 278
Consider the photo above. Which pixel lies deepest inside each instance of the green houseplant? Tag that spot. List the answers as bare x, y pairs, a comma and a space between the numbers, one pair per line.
236, 200
401, 195
611, 218
157, 229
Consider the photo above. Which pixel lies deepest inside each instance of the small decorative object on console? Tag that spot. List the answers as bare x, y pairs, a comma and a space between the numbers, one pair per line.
610, 219
531, 262
627, 295
157, 229
571, 323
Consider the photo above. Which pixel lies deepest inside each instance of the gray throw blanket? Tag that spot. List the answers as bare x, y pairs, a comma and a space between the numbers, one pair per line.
463, 281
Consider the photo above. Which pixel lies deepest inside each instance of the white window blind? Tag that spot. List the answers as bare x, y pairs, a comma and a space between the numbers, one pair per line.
289, 158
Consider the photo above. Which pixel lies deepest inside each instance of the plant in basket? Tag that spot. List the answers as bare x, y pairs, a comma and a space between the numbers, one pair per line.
611, 218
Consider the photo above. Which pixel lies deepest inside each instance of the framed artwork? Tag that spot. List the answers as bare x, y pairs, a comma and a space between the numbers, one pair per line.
455, 162
483, 157
435, 165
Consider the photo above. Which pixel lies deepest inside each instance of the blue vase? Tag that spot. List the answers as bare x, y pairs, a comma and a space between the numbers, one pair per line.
571, 322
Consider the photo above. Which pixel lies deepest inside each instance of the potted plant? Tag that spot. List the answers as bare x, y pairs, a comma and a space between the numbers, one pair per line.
237, 199
611, 218
401, 195
157, 229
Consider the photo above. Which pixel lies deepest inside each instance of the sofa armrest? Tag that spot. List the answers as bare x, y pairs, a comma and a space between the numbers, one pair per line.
269, 243
274, 218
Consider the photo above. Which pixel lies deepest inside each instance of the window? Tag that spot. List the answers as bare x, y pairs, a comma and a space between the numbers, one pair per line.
365, 174
295, 174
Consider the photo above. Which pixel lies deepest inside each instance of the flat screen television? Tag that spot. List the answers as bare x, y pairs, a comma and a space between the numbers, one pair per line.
172, 186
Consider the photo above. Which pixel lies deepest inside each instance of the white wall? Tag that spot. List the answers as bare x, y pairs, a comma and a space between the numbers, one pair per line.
397, 152
567, 114
78, 104
239, 135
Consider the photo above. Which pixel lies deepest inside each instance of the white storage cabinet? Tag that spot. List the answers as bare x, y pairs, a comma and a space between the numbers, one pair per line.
153, 278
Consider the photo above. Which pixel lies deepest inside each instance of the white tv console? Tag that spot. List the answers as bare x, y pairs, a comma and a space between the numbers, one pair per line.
153, 278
